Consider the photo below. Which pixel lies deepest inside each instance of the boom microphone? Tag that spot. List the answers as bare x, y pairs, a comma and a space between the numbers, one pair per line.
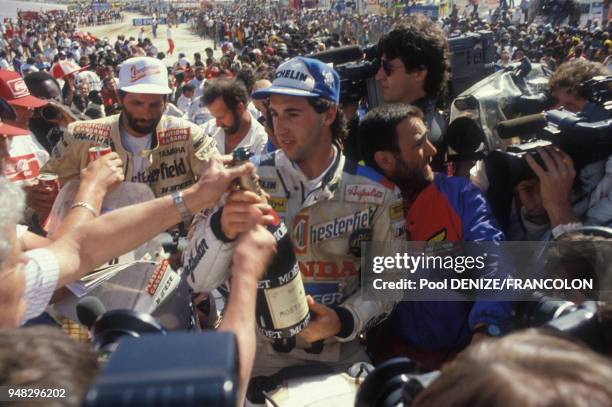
88, 310
521, 125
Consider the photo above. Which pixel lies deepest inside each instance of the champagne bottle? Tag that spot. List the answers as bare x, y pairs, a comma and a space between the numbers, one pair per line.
282, 311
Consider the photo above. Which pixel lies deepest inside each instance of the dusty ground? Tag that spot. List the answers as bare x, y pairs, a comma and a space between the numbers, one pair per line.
184, 40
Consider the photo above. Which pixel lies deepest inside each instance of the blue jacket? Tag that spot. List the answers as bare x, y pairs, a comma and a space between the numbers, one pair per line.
449, 209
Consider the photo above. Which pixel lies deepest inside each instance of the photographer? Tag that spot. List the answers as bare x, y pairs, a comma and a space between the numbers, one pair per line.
565, 82
552, 202
415, 69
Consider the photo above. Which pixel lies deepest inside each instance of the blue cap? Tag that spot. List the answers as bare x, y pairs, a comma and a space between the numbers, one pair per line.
306, 77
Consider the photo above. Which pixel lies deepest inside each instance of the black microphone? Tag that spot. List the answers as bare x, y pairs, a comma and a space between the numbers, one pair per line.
521, 125
88, 310
340, 55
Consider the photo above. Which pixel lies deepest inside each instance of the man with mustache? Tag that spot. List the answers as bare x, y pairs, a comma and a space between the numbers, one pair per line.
167, 153
233, 125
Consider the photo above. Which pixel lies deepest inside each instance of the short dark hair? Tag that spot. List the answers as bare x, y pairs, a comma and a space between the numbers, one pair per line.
378, 130
247, 77
338, 126
36, 78
187, 88
420, 43
232, 92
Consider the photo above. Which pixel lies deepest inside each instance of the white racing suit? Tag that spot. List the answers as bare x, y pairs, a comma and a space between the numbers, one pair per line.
179, 154
352, 204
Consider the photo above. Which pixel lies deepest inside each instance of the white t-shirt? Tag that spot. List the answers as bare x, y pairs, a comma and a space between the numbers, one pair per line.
255, 139
135, 145
169, 34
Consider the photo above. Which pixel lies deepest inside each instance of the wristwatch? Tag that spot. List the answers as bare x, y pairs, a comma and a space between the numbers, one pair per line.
489, 330
179, 202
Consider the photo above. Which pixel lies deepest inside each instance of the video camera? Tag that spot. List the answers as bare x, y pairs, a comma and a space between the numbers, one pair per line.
147, 366
356, 68
588, 322
585, 136
471, 60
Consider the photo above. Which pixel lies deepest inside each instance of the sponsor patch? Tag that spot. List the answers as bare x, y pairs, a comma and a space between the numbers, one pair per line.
299, 233
396, 211
439, 236
166, 170
21, 168
91, 131
327, 270
171, 151
18, 87
136, 74
340, 226
204, 148
278, 204
269, 184
364, 193
399, 229
173, 136
324, 293
356, 238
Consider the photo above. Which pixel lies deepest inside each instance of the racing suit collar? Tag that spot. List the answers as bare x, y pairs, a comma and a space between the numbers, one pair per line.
154, 135
329, 183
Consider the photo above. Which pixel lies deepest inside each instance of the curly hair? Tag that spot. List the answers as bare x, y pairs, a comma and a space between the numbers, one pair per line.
572, 73
420, 43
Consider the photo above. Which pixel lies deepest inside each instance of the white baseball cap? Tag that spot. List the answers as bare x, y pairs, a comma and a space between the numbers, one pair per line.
144, 75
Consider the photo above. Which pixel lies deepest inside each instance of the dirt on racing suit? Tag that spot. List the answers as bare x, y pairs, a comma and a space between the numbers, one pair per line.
352, 204
179, 152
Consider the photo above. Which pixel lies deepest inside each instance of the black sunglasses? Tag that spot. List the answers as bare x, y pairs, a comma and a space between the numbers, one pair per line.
386, 66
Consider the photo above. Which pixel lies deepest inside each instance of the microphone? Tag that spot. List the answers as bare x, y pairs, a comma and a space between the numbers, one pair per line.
88, 310
339, 56
521, 125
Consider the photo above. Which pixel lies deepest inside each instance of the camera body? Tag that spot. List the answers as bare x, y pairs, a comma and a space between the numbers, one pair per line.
147, 366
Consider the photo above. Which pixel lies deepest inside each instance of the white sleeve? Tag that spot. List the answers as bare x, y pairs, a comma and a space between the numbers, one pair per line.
207, 257
41, 273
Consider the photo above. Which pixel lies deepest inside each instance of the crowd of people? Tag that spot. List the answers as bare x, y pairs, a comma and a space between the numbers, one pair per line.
338, 173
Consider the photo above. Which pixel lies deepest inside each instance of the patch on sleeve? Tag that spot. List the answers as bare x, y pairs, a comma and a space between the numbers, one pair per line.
89, 131
396, 211
174, 135
204, 148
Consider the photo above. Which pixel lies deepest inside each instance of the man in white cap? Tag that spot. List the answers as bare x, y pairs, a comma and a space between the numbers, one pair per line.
165, 152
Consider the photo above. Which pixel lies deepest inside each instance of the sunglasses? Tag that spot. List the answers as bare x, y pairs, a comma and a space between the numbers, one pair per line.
386, 66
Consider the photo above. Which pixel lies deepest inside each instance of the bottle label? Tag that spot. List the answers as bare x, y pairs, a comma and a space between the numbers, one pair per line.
287, 303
